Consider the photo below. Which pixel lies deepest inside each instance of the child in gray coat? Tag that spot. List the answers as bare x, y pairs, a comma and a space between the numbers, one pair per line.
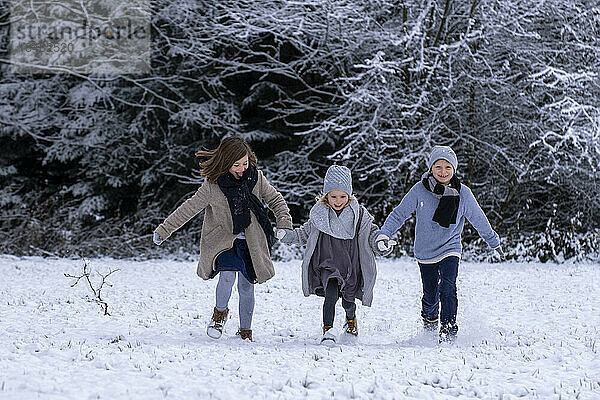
441, 204
339, 259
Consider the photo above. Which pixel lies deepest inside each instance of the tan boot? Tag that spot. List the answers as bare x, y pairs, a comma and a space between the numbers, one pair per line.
245, 333
350, 327
215, 327
328, 338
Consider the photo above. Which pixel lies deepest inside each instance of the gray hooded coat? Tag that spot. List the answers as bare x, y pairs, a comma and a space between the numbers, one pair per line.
323, 219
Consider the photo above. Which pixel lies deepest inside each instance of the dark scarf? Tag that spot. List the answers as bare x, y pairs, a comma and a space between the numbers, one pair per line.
449, 195
241, 201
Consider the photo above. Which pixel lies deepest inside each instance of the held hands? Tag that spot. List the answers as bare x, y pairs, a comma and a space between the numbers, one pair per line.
157, 239
280, 233
384, 243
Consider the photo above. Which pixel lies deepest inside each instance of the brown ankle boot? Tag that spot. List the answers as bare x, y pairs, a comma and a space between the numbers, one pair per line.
245, 333
215, 327
350, 326
328, 338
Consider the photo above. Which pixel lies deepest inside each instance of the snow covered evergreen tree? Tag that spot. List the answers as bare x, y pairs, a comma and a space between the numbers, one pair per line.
92, 162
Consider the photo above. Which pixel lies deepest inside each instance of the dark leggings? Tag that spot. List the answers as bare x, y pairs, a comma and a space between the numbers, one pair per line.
332, 294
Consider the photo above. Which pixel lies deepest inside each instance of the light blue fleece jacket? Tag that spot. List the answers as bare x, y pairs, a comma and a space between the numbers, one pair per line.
433, 242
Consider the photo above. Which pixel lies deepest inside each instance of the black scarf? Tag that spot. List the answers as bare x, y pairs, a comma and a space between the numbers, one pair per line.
241, 201
449, 195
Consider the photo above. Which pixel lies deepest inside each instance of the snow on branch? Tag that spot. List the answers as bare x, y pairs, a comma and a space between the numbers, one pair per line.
553, 77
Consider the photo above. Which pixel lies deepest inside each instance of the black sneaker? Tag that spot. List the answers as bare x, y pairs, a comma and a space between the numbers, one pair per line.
430, 325
448, 332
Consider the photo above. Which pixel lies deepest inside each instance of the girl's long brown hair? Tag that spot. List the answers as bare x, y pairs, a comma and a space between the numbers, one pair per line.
231, 149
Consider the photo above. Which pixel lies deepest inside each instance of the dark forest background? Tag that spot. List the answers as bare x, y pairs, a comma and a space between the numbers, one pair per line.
91, 164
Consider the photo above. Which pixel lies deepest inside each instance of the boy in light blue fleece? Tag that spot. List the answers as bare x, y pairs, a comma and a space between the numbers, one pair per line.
441, 203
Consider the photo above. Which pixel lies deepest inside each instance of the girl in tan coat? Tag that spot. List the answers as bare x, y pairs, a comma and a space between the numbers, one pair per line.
237, 235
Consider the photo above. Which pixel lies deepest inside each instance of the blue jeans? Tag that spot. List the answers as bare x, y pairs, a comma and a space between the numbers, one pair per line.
439, 284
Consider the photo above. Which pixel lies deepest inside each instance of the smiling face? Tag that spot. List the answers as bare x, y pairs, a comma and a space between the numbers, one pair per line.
442, 171
238, 167
338, 199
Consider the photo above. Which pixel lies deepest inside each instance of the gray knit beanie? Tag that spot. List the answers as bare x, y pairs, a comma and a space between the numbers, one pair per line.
443, 153
338, 178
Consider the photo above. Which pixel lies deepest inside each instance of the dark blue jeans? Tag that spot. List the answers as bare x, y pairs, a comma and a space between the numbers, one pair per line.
439, 284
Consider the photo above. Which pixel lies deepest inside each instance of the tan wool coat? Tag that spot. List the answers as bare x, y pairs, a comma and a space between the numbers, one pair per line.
217, 228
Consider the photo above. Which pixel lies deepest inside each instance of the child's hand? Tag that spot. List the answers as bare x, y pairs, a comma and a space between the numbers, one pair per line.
280, 233
157, 239
384, 243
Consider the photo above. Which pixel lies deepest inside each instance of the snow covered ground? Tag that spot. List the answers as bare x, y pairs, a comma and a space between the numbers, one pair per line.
527, 330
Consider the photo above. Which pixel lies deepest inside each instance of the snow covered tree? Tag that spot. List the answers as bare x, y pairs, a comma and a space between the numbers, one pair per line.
94, 162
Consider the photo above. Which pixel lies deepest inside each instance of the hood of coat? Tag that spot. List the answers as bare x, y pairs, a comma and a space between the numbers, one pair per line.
342, 226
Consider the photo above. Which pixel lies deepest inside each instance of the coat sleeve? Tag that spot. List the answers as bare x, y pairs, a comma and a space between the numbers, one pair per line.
477, 218
275, 202
299, 235
189, 209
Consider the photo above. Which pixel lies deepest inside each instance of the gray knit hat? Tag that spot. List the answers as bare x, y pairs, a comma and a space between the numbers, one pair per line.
338, 178
442, 153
